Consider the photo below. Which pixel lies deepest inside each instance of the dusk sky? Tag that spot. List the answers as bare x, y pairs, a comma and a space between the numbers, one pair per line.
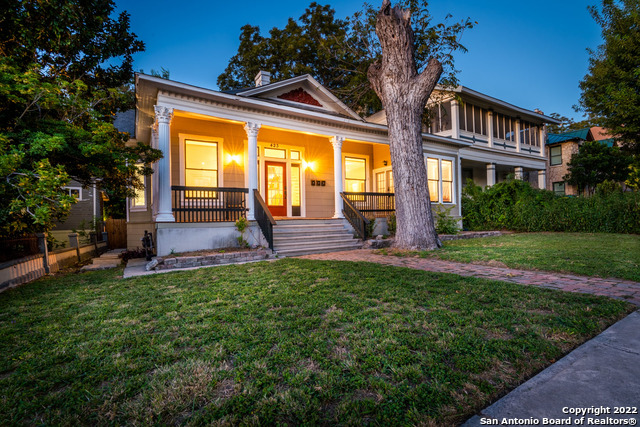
531, 54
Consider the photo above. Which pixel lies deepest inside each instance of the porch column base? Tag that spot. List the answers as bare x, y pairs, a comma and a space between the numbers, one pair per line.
542, 179
165, 217
519, 173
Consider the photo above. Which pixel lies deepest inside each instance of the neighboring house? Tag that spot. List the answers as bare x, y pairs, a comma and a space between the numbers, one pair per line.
305, 152
88, 207
560, 148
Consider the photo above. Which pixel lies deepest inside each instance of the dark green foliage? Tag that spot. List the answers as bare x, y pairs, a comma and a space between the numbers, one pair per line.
338, 52
596, 163
65, 71
445, 224
611, 89
515, 205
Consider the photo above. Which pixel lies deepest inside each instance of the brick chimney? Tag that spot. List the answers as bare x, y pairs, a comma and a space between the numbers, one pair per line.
262, 78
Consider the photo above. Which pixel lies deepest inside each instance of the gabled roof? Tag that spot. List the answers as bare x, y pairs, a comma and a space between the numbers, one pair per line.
303, 92
581, 135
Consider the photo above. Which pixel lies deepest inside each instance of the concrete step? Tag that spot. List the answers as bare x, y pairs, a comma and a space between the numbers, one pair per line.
313, 244
307, 250
289, 221
311, 238
307, 229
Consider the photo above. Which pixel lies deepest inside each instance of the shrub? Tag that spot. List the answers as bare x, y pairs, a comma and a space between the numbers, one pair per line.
241, 226
371, 226
391, 224
445, 224
515, 205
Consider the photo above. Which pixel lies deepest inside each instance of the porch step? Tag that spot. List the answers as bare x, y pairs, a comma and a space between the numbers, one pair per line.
312, 236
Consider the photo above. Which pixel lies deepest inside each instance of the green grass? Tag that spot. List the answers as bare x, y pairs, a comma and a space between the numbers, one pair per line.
604, 255
285, 342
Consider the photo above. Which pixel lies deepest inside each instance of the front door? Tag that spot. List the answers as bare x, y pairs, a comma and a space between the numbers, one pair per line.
276, 185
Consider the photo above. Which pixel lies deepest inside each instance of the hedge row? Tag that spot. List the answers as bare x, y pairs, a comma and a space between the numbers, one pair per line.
515, 205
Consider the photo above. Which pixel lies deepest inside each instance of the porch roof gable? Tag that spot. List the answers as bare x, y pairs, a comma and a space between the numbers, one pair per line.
325, 101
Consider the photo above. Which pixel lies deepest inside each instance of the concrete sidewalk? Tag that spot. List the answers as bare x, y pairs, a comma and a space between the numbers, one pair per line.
599, 376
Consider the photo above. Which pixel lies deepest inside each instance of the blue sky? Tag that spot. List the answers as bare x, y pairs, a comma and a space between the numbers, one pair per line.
531, 54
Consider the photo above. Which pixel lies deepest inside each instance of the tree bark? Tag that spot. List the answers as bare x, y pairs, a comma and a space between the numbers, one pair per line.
404, 94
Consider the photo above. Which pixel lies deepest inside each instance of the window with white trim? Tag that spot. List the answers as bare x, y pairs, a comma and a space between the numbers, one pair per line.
139, 201
355, 174
75, 192
440, 178
201, 163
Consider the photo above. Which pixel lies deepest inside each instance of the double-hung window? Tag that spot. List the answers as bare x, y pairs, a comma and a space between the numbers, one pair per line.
440, 178
555, 154
355, 174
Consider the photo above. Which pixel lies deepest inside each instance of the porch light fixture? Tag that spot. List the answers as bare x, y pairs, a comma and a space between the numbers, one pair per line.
309, 165
384, 162
233, 158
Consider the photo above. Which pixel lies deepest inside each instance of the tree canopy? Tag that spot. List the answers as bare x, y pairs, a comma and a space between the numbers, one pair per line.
595, 163
65, 72
611, 89
338, 52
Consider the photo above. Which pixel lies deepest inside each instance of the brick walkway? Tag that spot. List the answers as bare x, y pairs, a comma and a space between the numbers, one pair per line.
616, 288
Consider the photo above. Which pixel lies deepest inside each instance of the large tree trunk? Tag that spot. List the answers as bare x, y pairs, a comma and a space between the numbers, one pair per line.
404, 94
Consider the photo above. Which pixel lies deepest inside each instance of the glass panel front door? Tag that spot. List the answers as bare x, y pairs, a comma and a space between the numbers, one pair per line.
275, 181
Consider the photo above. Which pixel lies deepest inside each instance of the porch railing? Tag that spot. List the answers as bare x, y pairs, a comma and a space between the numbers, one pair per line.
372, 204
14, 247
208, 204
355, 217
264, 218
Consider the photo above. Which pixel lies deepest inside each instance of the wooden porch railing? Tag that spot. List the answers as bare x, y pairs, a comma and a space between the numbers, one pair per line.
372, 204
355, 217
208, 204
264, 218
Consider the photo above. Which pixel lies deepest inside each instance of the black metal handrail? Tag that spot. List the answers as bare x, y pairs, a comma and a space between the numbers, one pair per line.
377, 204
208, 204
354, 216
264, 218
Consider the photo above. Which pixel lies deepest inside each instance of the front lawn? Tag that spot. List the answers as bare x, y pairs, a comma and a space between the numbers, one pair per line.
285, 342
602, 254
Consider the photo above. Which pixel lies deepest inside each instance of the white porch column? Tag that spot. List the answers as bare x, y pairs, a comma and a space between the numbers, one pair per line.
543, 140
252, 130
337, 141
154, 177
163, 119
518, 139
455, 119
519, 173
491, 174
490, 128
542, 179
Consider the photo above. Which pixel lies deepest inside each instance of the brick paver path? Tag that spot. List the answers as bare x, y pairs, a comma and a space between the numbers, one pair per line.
611, 287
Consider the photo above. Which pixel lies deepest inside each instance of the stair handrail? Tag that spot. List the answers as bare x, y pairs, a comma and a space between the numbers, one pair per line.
355, 217
264, 218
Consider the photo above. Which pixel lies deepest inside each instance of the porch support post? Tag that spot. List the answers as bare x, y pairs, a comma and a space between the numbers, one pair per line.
519, 173
337, 141
542, 179
490, 128
163, 119
252, 130
491, 174
455, 119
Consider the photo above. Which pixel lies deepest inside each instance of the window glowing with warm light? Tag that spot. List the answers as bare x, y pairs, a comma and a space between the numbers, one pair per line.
433, 175
275, 184
201, 164
447, 181
295, 185
355, 175
140, 199
275, 153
